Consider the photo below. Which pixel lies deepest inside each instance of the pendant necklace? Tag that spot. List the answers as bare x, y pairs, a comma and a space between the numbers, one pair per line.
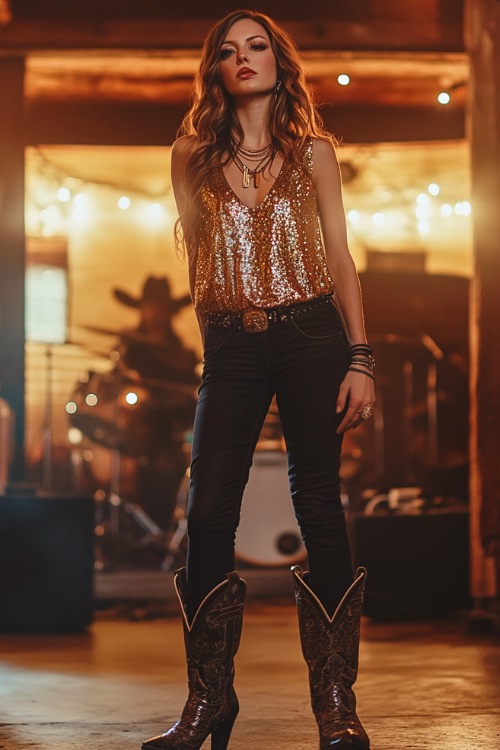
263, 156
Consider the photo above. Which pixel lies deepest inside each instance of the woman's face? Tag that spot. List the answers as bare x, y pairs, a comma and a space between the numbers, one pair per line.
247, 61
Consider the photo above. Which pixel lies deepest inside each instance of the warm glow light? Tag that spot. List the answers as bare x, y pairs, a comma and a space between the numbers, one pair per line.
75, 436
124, 202
424, 226
462, 208
63, 194
446, 210
131, 398
444, 97
155, 210
80, 210
81, 200
378, 218
49, 217
91, 399
423, 199
422, 212
433, 188
71, 407
343, 79
353, 216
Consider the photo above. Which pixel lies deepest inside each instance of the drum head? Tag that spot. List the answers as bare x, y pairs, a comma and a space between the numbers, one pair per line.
268, 534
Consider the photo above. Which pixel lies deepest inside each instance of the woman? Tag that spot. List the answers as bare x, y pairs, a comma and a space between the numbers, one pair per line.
258, 190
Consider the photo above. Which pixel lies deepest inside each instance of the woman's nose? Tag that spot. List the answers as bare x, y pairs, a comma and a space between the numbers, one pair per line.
243, 56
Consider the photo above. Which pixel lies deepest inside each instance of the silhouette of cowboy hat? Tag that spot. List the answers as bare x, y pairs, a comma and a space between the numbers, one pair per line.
156, 290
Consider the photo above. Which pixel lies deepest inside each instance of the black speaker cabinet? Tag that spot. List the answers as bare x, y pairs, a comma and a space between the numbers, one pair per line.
418, 564
46, 563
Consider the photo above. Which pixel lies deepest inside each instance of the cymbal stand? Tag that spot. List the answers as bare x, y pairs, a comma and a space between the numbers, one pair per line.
116, 504
47, 422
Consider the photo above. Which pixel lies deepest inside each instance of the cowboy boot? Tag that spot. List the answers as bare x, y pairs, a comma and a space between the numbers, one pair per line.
211, 641
330, 646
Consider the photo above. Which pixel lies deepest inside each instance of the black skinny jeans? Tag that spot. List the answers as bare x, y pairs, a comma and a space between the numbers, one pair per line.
302, 361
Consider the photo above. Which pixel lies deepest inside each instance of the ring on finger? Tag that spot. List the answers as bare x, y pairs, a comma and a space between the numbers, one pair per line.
366, 412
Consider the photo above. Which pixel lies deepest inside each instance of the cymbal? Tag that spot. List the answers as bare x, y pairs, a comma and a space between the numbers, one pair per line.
100, 329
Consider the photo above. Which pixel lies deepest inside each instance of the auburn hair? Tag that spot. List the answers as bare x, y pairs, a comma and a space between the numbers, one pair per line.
211, 116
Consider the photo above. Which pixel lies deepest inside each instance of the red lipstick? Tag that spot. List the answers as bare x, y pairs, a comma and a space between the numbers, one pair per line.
245, 73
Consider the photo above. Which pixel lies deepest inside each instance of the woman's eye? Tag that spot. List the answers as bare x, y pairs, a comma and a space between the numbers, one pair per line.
258, 46
225, 53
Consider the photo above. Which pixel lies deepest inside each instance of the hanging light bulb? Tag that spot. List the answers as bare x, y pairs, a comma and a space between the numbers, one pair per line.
124, 202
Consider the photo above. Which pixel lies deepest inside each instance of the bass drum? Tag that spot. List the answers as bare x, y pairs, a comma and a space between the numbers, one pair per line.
268, 533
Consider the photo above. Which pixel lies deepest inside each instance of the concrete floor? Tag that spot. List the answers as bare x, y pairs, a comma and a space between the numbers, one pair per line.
421, 685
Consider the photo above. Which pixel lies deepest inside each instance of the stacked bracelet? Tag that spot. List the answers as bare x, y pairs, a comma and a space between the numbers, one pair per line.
362, 372
362, 360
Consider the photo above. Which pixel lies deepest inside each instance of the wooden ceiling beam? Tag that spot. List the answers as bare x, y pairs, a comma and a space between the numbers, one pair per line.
410, 79
22, 36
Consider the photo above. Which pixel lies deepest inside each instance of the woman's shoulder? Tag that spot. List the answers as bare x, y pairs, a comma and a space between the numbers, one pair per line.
183, 146
323, 148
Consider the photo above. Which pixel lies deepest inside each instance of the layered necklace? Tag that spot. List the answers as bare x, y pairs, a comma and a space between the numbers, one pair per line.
259, 160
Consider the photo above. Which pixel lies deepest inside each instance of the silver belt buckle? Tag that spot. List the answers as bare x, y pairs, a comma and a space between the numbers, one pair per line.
255, 321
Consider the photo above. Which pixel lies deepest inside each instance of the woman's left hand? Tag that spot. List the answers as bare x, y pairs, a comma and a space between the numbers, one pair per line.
358, 392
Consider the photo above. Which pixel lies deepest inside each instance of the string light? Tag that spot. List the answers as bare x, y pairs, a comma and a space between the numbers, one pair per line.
72, 190
462, 208
422, 212
80, 200
80, 207
343, 79
70, 199
63, 194
444, 97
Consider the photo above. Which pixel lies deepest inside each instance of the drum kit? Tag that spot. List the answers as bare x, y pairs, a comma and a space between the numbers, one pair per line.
138, 419
138, 427
138, 416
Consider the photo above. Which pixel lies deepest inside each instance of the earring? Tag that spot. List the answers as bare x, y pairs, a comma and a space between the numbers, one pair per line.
277, 88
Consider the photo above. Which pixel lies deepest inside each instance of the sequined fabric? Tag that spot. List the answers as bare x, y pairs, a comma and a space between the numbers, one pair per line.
264, 256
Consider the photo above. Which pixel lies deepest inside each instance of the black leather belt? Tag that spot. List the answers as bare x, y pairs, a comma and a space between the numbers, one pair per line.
257, 319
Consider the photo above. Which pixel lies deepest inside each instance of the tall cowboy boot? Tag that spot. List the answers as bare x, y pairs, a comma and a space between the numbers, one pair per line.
211, 642
330, 646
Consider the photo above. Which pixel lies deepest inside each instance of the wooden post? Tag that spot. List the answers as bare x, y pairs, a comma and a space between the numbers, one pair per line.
482, 27
12, 261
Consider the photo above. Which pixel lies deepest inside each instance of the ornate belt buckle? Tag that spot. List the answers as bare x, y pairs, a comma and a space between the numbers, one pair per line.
255, 321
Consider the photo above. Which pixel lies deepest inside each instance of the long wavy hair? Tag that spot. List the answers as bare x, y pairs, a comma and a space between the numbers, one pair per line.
212, 119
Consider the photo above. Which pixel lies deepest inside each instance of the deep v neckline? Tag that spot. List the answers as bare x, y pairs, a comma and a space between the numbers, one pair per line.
282, 169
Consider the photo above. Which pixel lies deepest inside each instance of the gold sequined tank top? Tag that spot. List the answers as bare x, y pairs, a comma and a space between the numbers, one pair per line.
265, 256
